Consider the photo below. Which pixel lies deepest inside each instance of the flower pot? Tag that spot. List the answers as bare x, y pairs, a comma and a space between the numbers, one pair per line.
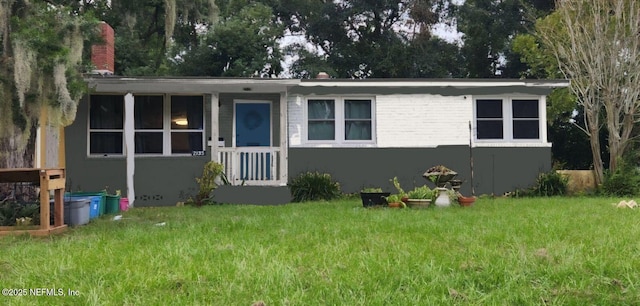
466, 201
395, 205
370, 199
443, 198
418, 203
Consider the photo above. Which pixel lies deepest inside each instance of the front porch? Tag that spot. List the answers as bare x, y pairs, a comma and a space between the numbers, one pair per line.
250, 129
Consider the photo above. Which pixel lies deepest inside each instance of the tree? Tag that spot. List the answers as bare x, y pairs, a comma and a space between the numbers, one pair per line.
488, 27
360, 39
596, 45
41, 48
147, 30
243, 43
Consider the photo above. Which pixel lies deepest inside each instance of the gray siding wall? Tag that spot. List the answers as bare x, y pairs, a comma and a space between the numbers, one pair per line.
496, 170
159, 181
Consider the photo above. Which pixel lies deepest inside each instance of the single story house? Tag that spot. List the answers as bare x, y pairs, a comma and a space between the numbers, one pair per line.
151, 136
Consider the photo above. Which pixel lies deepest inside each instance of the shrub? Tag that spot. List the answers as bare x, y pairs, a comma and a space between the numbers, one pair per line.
212, 176
10, 211
313, 186
622, 182
550, 184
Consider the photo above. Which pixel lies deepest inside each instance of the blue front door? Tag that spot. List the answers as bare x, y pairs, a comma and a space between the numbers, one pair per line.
253, 129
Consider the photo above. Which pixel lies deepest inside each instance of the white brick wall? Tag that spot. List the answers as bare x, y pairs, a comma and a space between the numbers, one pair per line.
423, 120
405, 120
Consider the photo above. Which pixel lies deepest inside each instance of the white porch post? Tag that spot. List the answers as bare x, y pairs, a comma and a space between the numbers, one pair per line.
542, 109
215, 129
129, 146
284, 139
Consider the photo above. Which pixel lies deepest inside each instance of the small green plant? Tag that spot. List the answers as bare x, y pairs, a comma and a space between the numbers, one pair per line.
423, 192
396, 198
313, 186
396, 184
209, 181
371, 190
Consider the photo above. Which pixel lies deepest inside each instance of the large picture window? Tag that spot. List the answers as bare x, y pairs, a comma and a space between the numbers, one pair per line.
507, 119
162, 125
340, 120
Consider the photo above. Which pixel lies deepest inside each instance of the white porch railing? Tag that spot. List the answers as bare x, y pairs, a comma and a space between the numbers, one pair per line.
251, 165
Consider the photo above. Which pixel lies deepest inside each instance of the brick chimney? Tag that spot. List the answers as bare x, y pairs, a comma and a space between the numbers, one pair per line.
103, 53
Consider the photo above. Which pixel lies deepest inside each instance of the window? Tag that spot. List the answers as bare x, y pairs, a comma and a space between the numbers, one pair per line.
147, 112
357, 119
507, 119
526, 120
187, 124
489, 116
161, 127
322, 124
340, 120
106, 120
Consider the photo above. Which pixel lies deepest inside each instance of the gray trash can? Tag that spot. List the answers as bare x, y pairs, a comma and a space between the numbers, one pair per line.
76, 211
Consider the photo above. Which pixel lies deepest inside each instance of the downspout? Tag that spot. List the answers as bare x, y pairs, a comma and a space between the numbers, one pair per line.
129, 146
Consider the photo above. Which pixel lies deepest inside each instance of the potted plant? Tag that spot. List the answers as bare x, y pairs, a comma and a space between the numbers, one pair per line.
439, 175
395, 201
420, 197
373, 196
465, 201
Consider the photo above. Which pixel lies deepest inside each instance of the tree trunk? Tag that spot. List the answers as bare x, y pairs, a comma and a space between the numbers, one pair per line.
16, 152
594, 140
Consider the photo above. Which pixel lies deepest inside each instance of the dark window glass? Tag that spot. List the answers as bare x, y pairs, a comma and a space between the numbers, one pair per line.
525, 108
186, 142
187, 112
526, 129
489, 129
357, 121
148, 112
106, 111
148, 142
105, 143
321, 125
489, 108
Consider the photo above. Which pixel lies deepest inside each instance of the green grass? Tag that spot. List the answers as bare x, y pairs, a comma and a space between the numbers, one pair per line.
558, 251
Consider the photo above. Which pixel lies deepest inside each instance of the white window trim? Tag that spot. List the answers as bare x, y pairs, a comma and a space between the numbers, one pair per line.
166, 129
507, 120
339, 139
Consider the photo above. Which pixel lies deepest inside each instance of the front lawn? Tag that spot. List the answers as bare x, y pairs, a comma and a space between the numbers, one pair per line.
576, 251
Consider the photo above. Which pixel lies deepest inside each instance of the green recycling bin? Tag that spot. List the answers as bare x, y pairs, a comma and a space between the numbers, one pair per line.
113, 204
